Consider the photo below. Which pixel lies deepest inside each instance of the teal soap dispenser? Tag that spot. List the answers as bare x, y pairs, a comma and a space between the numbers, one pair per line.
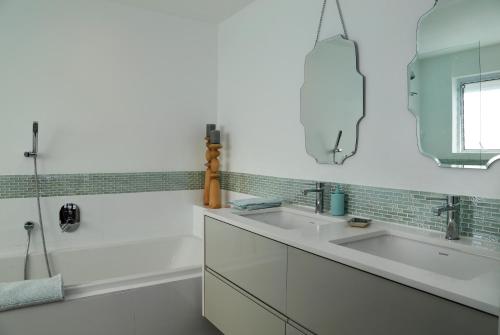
337, 199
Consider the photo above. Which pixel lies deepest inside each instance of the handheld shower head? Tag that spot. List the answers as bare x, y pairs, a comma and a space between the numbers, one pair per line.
339, 136
35, 137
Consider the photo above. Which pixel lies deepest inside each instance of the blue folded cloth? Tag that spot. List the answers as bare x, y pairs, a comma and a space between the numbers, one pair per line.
30, 292
256, 203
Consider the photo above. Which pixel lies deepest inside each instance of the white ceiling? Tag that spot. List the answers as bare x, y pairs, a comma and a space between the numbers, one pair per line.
206, 10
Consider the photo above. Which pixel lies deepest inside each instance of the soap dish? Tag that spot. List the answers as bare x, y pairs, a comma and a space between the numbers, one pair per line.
359, 222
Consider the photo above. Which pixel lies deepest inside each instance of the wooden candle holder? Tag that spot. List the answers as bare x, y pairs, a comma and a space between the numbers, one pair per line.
206, 191
214, 176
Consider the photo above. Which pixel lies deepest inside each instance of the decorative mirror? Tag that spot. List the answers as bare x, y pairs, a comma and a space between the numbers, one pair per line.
332, 98
454, 83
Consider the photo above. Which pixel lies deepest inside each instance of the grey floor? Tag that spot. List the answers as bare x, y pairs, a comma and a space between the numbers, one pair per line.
173, 308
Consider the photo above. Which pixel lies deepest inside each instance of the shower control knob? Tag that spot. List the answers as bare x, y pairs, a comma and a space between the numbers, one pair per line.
69, 217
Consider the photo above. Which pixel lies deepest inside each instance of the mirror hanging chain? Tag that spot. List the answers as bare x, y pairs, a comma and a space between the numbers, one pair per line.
322, 16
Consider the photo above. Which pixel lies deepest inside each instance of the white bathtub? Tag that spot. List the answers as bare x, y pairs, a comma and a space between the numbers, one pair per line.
115, 267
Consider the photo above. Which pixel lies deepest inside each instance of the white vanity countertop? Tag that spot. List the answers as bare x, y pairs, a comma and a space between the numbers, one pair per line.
482, 292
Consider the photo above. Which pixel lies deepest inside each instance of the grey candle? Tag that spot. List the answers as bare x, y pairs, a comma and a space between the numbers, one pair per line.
215, 137
210, 127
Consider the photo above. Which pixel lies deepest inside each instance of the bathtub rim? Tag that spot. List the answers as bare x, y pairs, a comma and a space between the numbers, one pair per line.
124, 283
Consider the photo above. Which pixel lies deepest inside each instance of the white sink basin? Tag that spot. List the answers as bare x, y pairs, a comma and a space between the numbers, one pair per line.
449, 262
286, 218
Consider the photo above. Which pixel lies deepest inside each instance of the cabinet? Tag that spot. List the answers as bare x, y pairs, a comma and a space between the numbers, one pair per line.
331, 298
255, 285
254, 263
233, 313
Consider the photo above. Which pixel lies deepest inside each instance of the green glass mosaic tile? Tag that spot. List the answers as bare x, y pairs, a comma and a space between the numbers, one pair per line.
479, 217
23, 186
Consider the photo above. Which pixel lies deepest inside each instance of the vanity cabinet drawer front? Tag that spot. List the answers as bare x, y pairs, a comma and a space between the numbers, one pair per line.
235, 314
252, 262
331, 298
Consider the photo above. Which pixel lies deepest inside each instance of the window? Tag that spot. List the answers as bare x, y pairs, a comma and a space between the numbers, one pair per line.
480, 115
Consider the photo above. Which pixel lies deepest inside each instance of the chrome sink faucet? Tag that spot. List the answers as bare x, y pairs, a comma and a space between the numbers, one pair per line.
320, 191
452, 209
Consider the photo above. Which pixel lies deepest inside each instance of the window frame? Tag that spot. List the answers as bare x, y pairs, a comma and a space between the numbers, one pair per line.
460, 88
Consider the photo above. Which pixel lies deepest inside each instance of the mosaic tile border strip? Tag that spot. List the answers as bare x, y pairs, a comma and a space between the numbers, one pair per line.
479, 217
23, 186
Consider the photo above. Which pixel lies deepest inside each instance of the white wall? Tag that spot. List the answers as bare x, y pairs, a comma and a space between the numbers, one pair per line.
261, 62
115, 88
